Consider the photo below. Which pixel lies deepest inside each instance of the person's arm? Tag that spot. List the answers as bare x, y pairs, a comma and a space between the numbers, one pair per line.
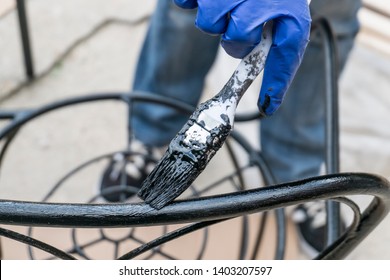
240, 24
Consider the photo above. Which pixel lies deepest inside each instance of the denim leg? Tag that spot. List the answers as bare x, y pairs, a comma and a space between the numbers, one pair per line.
293, 139
174, 61
176, 58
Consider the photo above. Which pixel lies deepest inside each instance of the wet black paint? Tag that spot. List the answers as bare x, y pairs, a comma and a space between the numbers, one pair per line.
181, 164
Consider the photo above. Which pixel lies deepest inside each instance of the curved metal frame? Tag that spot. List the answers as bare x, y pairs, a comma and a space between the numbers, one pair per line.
205, 211
19, 118
201, 211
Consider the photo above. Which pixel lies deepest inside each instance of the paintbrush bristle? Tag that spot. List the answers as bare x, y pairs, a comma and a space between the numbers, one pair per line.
171, 177
183, 162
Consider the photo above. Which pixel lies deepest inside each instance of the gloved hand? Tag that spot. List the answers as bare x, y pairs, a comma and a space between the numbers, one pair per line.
240, 23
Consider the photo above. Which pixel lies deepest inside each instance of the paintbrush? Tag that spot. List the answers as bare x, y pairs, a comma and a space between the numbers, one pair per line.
204, 133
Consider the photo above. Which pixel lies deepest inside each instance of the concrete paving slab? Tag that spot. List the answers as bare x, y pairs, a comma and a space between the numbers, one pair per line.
54, 28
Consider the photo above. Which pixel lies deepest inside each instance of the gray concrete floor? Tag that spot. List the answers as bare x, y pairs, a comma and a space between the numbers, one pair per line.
84, 47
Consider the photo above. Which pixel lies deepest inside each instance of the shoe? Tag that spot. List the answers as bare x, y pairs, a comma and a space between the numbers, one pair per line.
310, 220
126, 171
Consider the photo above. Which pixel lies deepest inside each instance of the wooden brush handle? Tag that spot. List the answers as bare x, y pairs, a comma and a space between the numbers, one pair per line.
226, 101
252, 64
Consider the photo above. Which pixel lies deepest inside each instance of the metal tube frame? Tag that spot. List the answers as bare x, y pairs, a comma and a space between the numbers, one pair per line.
205, 211
22, 117
25, 37
201, 211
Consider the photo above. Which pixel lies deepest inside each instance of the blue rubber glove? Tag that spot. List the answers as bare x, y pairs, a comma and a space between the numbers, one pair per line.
240, 23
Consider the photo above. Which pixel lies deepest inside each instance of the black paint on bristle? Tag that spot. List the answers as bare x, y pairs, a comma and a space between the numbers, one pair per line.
181, 165
172, 178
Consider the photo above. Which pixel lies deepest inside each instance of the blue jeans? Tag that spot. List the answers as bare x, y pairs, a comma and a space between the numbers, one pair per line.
176, 58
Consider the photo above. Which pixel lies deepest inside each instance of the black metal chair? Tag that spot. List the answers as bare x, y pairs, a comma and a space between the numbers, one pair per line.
199, 210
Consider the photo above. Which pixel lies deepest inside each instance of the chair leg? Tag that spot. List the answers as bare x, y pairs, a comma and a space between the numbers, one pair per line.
331, 125
23, 25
